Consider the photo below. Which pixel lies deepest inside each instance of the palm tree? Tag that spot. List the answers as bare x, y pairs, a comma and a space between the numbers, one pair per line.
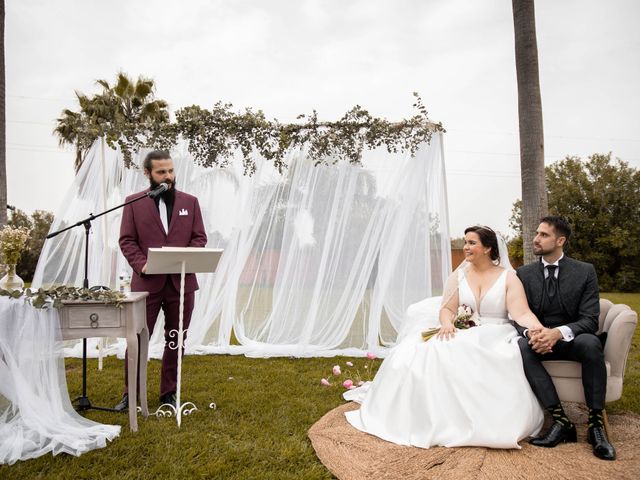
126, 114
3, 128
134, 102
534, 192
71, 129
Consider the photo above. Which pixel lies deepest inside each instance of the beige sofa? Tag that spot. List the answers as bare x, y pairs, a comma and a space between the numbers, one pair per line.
619, 321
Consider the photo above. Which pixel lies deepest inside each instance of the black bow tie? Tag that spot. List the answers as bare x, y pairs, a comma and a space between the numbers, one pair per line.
551, 282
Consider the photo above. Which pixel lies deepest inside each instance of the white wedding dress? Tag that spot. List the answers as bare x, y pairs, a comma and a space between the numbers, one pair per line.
467, 391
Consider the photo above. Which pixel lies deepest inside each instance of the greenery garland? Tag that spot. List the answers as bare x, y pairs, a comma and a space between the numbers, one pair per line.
54, 296
129, 117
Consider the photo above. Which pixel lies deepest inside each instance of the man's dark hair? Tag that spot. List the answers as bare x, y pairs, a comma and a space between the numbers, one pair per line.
488, 238
155, 155
560, 225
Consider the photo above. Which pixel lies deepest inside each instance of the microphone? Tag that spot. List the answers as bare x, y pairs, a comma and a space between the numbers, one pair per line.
163, 187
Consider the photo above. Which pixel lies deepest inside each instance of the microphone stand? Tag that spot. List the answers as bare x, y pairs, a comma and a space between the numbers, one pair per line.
83, 402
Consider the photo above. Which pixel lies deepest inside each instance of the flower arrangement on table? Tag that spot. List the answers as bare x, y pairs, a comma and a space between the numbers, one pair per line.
354, 378
12, 242
465, 318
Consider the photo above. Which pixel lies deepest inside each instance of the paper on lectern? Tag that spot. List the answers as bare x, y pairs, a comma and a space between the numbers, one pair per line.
169, 259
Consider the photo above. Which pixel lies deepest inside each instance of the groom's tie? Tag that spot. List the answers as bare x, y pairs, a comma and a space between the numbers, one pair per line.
551, 282
162, 208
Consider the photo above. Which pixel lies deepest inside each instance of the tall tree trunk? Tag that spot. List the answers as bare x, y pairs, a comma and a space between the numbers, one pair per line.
534, 191
3, 127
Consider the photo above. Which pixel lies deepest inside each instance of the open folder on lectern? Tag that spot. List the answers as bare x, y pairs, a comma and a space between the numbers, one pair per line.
196, 259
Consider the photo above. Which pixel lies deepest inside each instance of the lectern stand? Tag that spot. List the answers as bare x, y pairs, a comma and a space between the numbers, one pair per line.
181, 260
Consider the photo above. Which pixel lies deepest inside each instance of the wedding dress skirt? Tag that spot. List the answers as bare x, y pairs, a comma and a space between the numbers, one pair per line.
467, 391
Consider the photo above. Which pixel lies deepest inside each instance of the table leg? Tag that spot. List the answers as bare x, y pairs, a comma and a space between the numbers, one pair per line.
144, 355
132, 359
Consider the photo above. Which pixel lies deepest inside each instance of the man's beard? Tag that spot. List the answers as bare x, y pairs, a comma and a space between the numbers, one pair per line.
167, 194
539, 251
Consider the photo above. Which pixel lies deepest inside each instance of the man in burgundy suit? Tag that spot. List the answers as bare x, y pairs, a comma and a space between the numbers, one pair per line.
171, 219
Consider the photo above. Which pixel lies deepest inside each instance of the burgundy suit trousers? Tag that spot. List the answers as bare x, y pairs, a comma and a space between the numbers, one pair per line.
167, 299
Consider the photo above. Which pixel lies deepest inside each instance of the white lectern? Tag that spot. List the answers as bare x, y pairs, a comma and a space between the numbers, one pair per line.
181, 260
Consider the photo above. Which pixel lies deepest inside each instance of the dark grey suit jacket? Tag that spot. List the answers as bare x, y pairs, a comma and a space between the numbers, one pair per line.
578, 293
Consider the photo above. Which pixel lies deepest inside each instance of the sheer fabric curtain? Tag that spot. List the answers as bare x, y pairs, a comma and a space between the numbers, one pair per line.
318, 261
36, 415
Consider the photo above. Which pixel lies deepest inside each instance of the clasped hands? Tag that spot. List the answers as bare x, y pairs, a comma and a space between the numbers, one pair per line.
542, 340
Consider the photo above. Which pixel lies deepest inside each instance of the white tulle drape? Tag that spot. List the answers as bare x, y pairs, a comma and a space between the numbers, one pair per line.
36, 415
318, 261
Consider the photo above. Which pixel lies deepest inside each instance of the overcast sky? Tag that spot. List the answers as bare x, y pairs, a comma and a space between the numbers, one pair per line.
290, 56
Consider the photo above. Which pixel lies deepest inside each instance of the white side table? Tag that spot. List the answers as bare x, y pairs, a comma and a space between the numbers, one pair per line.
86, 319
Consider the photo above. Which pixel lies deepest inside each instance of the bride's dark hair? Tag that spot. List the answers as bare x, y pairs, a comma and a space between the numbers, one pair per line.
488, 238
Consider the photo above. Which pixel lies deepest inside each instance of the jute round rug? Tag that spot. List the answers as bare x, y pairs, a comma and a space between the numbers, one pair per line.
352, 455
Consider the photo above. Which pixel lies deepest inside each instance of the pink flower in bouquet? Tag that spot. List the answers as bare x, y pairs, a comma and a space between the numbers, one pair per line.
349, 364
336, 370
325, 382
371, 355
348, 383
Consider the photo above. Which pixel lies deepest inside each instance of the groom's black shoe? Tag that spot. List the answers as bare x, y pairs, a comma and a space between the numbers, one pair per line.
168, 398
597, 437
123, 404
558, 433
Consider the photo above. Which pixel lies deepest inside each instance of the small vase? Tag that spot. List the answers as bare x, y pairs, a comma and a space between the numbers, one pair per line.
11, 281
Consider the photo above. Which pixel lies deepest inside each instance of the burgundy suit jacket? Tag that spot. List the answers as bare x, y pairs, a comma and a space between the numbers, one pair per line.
141, 229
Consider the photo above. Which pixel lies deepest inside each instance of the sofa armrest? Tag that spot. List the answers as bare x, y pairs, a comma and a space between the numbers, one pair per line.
619, 337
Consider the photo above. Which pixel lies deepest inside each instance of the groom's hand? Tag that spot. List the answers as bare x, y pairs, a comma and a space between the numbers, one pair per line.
542, 341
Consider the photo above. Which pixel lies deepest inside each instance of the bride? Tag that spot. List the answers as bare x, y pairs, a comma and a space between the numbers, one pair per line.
461, 387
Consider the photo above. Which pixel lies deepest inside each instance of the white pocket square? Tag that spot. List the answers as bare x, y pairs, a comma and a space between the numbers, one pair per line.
183, 212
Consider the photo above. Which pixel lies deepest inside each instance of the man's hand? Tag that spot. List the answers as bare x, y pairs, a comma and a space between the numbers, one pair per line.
542, 341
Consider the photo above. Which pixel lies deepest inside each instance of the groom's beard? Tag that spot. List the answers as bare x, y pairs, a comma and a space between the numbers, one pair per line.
167, 195
541, 252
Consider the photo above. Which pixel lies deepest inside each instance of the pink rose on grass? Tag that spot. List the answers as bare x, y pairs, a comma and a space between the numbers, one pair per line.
336, 370
348, 383
371, 355
325, 382
349, 364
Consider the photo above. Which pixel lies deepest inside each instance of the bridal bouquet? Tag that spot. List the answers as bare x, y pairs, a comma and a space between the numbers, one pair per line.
465, 318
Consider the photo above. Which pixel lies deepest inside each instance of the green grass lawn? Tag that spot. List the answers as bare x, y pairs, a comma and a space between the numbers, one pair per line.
259, 431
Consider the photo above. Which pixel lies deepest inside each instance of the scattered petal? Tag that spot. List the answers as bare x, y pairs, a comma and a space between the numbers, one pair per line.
349, 364
348, 383
325, 382
360, 383
336, 370
371, 355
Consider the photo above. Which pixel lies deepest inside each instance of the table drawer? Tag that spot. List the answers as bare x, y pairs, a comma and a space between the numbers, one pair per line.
92, 317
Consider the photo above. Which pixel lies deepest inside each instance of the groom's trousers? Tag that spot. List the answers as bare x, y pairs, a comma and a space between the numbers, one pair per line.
586, 349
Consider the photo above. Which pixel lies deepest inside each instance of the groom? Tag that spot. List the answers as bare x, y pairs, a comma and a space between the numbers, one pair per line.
563, 294
173, 218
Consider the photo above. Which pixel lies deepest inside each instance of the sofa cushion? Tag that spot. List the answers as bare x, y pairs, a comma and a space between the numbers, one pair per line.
567, 368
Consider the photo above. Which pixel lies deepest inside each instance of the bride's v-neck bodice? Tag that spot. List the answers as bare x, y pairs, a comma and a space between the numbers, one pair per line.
493, 304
